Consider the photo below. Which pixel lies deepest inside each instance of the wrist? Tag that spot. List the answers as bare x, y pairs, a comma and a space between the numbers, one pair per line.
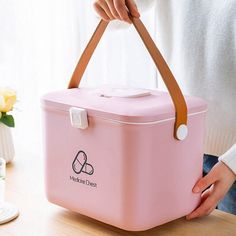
229, 159
226, 167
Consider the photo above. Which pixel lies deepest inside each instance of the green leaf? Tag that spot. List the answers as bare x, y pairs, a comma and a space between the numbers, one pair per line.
8, 120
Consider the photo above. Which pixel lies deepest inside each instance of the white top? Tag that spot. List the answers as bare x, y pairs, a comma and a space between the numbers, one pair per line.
198, 40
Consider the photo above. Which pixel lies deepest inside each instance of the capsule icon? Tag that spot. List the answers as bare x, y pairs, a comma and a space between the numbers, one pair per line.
80, 164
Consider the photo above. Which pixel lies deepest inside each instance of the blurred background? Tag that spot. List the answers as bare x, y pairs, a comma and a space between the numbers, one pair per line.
40, 44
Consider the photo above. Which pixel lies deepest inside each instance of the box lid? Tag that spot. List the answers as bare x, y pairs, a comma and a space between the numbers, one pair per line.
125, 105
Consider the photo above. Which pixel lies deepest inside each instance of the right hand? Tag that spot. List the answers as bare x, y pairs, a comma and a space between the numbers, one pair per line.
220, 178
116, 9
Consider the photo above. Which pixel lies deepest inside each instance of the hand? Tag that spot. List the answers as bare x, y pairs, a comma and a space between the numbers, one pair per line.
116, 9
220, 178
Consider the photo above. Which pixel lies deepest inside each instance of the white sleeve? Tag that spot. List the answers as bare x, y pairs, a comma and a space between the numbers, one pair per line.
229, 158
144, 5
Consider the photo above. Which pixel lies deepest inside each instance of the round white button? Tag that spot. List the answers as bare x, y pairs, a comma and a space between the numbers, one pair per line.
182, 132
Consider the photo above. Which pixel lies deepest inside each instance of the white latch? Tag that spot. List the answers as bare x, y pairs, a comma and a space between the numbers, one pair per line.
78, 117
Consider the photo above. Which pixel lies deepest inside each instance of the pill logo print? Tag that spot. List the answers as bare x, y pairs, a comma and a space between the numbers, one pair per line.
80, 164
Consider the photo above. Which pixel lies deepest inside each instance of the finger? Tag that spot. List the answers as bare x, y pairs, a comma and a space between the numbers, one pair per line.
132, 8
214, 195
202, 214
205, 182
205, 209
101, 12
120, 7
112, 9
205, 195
106, 8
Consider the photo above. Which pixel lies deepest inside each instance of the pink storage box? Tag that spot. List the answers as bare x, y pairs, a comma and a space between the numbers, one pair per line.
117, 156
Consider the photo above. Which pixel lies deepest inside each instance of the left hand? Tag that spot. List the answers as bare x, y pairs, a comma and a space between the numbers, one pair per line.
220, 178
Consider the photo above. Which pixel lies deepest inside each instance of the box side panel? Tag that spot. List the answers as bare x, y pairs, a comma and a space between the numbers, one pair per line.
161, 172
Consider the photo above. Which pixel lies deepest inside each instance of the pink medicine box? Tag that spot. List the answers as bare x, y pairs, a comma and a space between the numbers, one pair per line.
126, 157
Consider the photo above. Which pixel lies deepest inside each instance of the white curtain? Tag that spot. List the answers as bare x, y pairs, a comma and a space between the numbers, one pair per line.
40, 43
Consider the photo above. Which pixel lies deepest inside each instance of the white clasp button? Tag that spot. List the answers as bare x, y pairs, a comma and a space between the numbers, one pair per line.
182, 132
78, 117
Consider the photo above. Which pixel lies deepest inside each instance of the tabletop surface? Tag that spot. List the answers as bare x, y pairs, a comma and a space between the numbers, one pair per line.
40, 218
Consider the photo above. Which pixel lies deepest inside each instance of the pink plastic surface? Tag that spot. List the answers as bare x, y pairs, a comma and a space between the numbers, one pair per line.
155, 107
132, 176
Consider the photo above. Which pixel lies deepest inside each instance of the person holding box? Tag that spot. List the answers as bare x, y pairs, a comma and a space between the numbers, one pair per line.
205, 55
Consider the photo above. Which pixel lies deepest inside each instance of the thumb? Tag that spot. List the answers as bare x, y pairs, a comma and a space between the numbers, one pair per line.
205, 182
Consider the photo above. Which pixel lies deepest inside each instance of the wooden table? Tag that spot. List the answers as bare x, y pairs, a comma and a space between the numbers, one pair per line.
40, 218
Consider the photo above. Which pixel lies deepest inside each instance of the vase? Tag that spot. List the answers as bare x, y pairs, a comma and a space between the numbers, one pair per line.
7, 150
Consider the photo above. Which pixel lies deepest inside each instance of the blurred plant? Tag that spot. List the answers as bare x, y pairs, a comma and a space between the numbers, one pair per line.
7, 102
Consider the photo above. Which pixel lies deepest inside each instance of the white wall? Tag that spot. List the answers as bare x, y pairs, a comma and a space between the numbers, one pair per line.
40, 42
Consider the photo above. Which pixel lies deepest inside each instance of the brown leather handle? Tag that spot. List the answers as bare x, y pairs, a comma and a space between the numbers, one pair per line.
180, 129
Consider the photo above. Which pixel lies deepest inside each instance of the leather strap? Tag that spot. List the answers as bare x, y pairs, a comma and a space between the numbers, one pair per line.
167, 76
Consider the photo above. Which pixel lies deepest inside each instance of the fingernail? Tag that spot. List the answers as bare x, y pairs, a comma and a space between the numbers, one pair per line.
196, 189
